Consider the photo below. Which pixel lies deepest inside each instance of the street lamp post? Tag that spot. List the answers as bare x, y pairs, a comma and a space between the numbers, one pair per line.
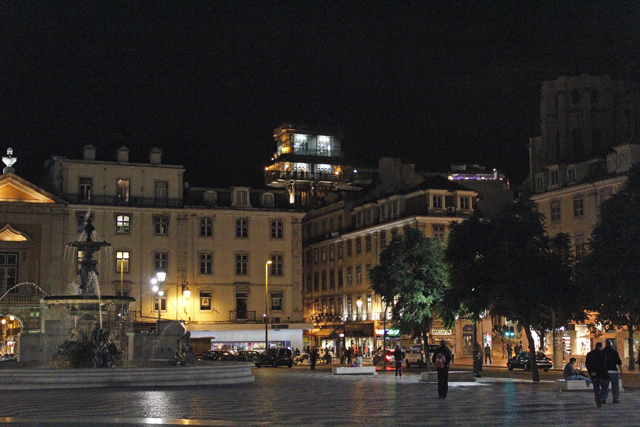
266, 305
157, 282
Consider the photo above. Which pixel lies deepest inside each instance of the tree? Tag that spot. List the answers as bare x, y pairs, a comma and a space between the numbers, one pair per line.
610, 272
506, 264
411, 278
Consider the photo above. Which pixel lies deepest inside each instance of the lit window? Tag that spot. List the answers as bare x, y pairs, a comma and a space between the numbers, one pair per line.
122, 262
122, 224
276, 300
205, 300
358, 275
123, 191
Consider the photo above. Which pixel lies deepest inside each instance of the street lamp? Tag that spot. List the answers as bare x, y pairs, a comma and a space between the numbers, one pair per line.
266, 305
157, 282
4, 335
122, 256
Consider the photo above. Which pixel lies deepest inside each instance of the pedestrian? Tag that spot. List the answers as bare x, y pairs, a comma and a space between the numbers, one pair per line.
597, 368
442, 358
313, 358
487, 354
349, 355
453, 352
398, 355
504, 349
570, 373
614, 367
509, 350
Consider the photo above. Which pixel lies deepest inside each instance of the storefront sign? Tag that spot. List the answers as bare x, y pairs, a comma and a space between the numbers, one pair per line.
390, 332
441, 332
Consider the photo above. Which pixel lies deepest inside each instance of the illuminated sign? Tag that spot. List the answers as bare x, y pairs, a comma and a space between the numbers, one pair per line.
441, 332
390, 332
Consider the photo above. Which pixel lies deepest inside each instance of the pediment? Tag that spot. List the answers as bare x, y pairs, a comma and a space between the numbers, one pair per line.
9, 234
15, 189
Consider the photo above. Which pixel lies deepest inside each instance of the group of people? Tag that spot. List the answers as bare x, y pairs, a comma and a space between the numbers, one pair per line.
507, 350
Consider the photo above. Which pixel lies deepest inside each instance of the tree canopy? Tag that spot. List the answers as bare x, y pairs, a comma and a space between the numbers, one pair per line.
411, 278
610, 272
506, 264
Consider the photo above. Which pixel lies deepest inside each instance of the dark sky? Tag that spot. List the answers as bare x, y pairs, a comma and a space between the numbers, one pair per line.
436, 82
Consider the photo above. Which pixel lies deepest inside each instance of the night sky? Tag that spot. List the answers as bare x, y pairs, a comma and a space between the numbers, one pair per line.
435, 82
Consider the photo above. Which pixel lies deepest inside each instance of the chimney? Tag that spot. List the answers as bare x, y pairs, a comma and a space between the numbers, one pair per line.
155, 156
89, 152
123, 155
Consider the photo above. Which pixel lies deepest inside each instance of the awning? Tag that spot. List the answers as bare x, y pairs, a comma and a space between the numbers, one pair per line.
328, 333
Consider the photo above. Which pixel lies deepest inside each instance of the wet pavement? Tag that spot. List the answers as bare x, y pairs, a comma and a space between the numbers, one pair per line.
301, 397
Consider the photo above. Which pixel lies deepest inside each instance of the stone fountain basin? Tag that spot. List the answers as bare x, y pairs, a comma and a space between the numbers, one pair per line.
170, 376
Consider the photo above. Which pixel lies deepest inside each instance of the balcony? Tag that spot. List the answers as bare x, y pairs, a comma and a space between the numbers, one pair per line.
118, 201
21, 299
363, 178
242, 316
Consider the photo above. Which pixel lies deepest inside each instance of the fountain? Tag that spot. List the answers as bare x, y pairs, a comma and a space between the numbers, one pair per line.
91, 330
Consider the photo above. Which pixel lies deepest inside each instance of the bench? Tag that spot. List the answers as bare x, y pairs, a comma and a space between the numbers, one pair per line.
578, 385
352, 370
454, 377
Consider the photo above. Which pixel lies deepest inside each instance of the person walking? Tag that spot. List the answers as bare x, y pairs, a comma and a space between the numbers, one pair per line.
313, 358
597, 368
398, 355
504, 349
509, 350
614, 367
487, 354
441, 359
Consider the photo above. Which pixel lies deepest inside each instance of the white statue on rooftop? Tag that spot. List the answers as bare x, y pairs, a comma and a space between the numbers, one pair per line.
9, 160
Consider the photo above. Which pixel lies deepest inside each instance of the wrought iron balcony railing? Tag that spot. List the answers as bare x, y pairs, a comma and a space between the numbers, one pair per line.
119, 201
245, 316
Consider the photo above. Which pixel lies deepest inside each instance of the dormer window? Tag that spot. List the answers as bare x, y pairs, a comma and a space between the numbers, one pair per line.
539, 182
242, 197
267, 199
554, 177
437, 202
465, 203
210, 198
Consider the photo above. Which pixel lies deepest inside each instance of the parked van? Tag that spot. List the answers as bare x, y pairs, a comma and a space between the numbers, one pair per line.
415, 356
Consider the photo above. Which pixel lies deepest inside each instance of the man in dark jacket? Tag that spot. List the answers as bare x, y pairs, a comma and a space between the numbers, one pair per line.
443, 368
313, 357
597, 368
612, 359
398, 355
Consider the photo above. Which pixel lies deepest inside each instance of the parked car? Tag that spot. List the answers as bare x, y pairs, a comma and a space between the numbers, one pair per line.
414, 355
380, 357
210, 355
9, 357
275, 357
521, 360
247, 356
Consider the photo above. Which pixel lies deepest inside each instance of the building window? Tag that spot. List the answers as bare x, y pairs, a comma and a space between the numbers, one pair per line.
358, 245
539, 182
465, 203
340, 250
340, 278
349, 276
438, 232
242, 264
267, 199
241, 305
581, 247
205, 300
555, 178
340, 223
309, 283
358, 275
555, 212
210, 198
162, 192
85, 189
383, 239
277, 265
367, 243
122, 262
316, 281
161, 225
81, 221
206, 263
160, 261
349, 248
578, 207
324, 255
437, 202
324, 280
8, 270
276, 300
332, 280
163, 304
122, 224
332, 252
206, 227
394, 208
242, 228
383, 210
242, 198
123, 191
571, 174
315, 256
277, 229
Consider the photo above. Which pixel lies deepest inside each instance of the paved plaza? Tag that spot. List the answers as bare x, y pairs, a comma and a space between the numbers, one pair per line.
301, 397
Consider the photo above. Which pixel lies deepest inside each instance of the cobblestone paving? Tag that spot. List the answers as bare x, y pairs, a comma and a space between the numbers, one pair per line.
300, 397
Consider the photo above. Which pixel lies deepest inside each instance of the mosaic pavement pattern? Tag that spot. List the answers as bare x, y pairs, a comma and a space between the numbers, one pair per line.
300, 397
